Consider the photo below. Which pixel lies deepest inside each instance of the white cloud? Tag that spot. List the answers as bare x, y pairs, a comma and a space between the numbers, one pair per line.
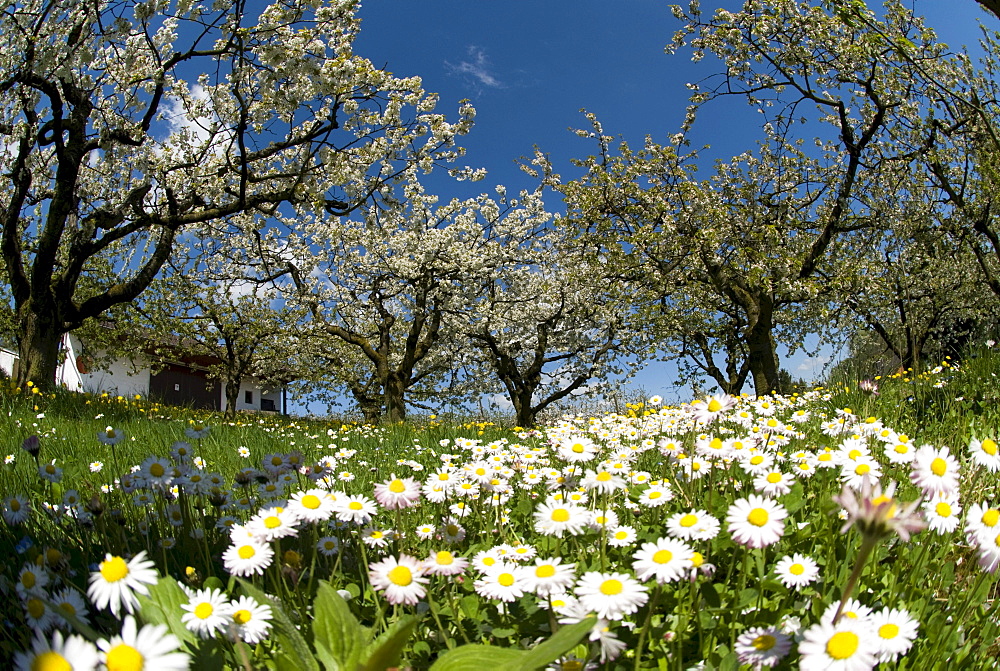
813, 364
500, 401
477, 67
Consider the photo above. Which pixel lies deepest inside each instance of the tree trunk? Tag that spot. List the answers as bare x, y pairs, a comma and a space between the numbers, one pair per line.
524, 411
395, 403
763, 358
38, 350
232, 396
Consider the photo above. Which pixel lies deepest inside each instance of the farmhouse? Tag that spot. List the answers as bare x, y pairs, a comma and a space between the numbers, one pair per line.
181, 378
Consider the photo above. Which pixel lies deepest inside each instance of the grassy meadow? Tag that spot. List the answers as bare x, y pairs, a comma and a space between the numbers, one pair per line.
850, 527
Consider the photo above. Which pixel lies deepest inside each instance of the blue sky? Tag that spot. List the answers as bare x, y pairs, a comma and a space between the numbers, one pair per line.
529, 68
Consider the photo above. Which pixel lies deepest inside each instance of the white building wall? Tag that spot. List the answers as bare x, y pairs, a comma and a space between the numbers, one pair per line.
117, 377
7, 359
250, 385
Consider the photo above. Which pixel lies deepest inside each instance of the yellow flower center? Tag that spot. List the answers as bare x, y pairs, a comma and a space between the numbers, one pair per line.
50, 660
397, 487
943, 509
35, 608
506, 579
989, 446
28, 579
545, 571
310, 501
774, 478
862, 469
611, 587
757, 517
842, 645
15, 505
888, 631
763, 642
246, 551
714, 405
156, 470
203, 611
401, 575
242, 616
621, 535
444, 558
114, 569
578, 448
489, 561
655, 495
354, 505
757, 459
124, 657
991, 517
716, 443
697, 559
272, 522
939, 466
603, 476
796, 569
50, 469
854, 454
560, 515
663, 556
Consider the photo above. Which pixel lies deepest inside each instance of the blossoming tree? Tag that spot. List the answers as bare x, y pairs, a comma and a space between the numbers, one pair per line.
124, 123
396, 285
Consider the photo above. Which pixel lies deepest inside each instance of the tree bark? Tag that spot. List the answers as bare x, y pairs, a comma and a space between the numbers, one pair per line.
38, 350
761, 347
395, 401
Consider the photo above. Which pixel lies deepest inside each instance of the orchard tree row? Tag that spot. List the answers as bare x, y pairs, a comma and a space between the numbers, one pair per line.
246, 184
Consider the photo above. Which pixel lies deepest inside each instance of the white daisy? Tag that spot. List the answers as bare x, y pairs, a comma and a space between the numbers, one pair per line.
272, 523
985, 453
942, 512
666, 560
549, 576
693, 525
72, 653
756, 521
207, 612
251, 620
796, 571
844, 646
148, 649
896, 630
762, 646
621, 536
116, 582
443, 562
401, 579
934, 470
610, 595
247, 557
504, 581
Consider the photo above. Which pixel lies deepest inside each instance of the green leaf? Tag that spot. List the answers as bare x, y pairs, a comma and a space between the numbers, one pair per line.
710, 596
558, 644
477, 657
470, 606
213, 583
385, 651
286, 634
163, 606
336, 632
